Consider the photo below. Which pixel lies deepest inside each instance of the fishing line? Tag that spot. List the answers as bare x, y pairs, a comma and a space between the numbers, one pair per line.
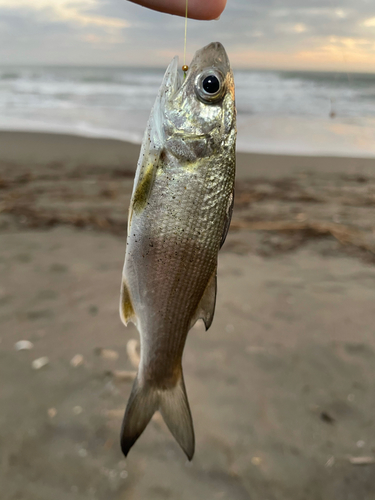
185, 67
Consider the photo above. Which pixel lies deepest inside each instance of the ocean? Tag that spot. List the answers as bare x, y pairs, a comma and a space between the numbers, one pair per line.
278, 111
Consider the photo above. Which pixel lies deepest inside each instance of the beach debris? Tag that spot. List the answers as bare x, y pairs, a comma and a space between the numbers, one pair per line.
3, 184
330, 462
110, 388
33, 217
116, 413
336, 218
52, 412
77, 410
109, 193
344, 234
23, 345
109, 354
132, 351
76, 360
362, 460
39, 363
124, 375
108, 444
301, 217
327, 417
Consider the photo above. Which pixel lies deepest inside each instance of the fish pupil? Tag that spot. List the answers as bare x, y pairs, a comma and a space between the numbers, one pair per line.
211, 84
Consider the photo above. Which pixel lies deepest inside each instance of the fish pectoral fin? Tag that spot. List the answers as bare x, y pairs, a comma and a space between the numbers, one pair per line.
145, 399
206, 306
144, 184
127, 313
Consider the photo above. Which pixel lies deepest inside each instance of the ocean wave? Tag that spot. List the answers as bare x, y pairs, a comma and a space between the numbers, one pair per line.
103, 99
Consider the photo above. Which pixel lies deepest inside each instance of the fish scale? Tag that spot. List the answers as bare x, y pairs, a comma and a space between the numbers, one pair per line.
178, 219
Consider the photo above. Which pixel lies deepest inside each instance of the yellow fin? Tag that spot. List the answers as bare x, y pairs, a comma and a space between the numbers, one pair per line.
143, 188
126, 307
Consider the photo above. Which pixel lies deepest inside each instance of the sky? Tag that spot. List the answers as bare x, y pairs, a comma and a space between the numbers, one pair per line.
335, 35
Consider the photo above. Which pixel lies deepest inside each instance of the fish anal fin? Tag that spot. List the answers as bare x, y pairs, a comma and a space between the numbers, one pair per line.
206, 306
127, 313
228, 218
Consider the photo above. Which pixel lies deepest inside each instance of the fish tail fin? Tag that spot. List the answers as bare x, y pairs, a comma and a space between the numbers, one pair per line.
174, 407
145, 399
142, 404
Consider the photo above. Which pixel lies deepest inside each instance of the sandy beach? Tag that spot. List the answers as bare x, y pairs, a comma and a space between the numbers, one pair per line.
281, 387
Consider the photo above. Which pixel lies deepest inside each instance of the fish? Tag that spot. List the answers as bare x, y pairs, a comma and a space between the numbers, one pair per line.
179, 216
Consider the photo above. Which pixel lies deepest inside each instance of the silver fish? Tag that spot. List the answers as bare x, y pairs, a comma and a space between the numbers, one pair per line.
179, 217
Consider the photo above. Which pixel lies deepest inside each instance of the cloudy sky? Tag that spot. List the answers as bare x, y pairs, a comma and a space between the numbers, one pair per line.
300, 34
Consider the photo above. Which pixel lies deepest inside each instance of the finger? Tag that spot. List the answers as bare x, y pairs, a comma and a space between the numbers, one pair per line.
206, 10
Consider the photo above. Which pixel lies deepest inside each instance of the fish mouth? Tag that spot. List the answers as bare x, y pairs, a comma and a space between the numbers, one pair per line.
212, 55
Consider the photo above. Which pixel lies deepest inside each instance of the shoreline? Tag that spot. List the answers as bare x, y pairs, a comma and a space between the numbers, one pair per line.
43, 148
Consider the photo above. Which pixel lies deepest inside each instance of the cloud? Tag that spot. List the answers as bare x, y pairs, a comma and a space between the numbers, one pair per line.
369, 23
75, 11
267, 33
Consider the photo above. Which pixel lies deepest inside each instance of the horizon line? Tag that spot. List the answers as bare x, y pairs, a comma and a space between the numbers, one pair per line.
163, 68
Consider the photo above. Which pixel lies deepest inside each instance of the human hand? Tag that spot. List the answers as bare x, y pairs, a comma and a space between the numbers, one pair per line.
197, 9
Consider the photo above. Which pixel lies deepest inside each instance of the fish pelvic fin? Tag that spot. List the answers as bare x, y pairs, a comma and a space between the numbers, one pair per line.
145, 399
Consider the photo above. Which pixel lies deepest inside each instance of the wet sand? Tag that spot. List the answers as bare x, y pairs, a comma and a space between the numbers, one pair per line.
282, 385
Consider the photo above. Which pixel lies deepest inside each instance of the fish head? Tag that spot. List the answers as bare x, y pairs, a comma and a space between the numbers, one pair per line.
198, 115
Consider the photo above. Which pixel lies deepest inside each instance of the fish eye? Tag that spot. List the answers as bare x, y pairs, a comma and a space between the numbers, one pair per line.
209, 86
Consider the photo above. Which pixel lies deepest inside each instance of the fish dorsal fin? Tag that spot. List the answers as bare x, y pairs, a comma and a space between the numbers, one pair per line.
206, 306
127, 313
